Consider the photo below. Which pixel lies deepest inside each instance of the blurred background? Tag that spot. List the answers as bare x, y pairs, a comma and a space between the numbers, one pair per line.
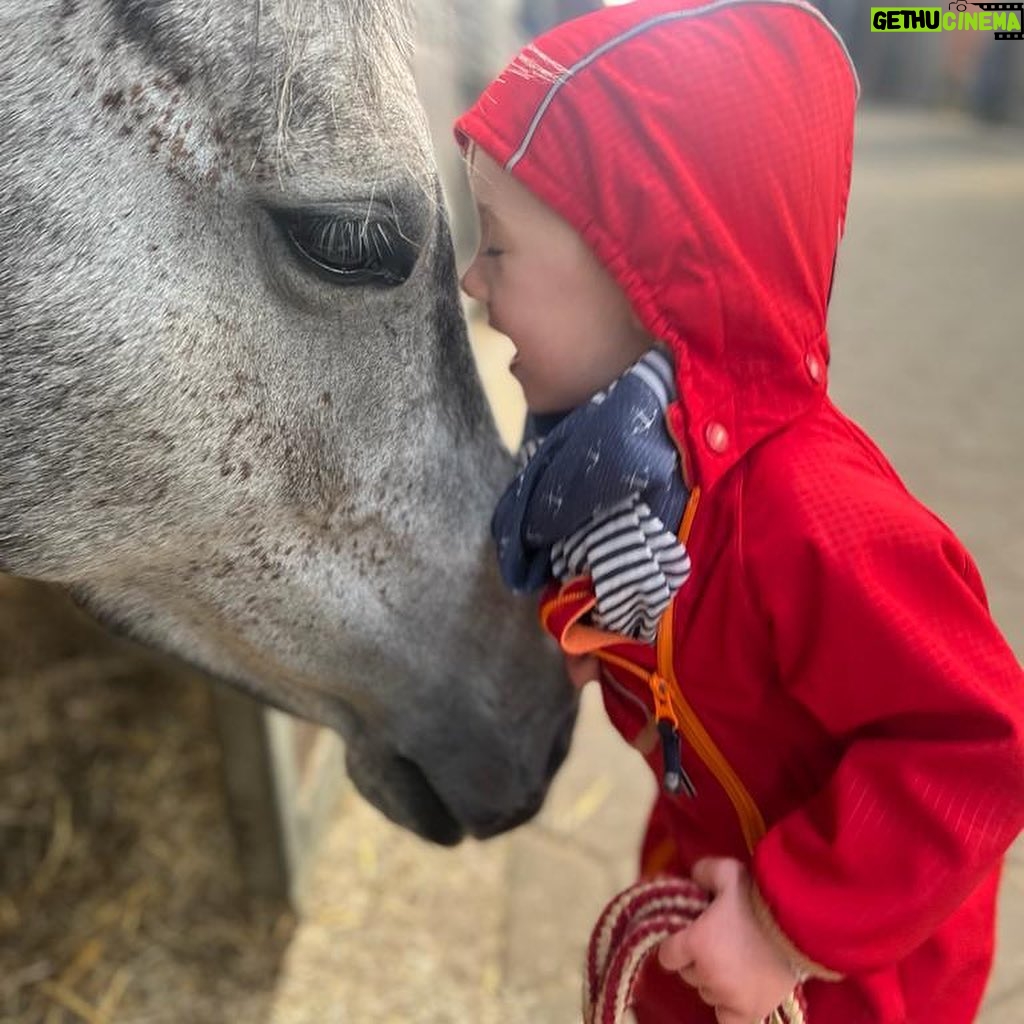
170, 852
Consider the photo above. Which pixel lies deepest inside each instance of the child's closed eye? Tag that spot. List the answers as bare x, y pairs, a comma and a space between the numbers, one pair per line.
492, 251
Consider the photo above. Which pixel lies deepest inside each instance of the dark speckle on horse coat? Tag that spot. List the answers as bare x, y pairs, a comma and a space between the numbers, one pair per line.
280, 478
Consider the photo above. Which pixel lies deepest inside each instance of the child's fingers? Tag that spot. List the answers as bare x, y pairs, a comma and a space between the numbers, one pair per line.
709, 996
691, 975
726, 1016
716, 874
708, 992
675, 953
720, 1002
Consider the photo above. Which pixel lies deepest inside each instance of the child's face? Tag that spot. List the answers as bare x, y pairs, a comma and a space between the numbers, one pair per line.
572, 326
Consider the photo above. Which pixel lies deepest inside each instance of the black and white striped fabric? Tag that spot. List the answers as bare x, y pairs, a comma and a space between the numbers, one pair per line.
635, 563
600, 494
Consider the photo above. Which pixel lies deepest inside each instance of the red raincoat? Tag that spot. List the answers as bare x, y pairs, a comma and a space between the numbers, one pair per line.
852, 718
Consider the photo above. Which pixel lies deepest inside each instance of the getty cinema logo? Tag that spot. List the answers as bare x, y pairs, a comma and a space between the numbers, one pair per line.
1004, 20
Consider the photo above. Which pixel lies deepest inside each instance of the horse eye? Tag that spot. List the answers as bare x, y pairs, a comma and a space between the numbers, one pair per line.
350, 250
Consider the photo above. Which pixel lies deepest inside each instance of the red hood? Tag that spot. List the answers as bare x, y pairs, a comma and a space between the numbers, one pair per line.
703, 150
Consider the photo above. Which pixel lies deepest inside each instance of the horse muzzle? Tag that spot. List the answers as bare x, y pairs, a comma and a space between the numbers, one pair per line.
403, 791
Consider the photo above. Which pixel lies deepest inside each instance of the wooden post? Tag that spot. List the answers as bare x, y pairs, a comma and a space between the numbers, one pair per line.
283, 778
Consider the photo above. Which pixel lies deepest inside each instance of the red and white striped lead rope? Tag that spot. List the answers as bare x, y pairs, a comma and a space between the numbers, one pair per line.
630, 929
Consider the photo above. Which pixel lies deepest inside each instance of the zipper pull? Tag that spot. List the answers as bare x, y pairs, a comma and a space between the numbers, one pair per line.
674, 777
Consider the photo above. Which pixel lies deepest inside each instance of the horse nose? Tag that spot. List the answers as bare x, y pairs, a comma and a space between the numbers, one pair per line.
556, 756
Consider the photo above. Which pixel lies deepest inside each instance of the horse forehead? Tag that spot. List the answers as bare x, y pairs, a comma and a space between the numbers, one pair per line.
316, 47
297, 78
345, 23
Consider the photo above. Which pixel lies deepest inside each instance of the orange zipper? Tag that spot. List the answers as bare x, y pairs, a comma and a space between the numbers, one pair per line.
549, 608
670, 705
751, 820
685, 719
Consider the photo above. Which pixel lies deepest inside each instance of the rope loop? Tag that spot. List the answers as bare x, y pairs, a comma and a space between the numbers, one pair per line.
630, 930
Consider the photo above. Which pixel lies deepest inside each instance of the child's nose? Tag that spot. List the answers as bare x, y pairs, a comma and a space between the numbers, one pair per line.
473, 283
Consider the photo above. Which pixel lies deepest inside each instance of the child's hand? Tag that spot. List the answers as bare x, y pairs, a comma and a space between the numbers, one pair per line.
725, 954
582, 669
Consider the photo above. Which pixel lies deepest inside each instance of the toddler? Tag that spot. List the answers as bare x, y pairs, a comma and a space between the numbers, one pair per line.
801, 649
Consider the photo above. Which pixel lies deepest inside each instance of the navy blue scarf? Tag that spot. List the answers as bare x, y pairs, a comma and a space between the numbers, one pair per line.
583, 463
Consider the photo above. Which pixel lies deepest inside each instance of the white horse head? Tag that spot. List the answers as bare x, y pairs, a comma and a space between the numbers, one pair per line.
241, 420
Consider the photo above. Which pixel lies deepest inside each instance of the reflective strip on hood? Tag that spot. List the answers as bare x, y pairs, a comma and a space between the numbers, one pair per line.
646, 26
